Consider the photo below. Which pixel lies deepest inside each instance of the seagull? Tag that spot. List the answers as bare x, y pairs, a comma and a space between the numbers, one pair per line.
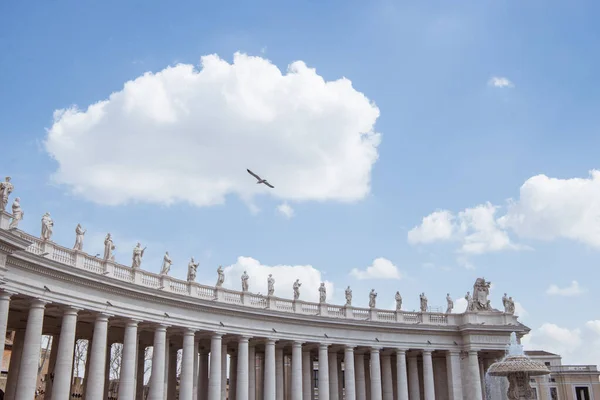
260, 180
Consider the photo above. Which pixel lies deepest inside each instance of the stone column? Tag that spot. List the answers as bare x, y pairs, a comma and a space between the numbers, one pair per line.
376, 390
128, 362
186, 379
455, 391
270, 386
214, 382
157, 377
172, 374
196, 366
107, 368
51, 364
203, 384
474, 381
349, 378
428, 382
30, 356
232, 392
333, 376
96, 376
141, 367
323, 372
241, 385
296, 384
223, 371
359, 372
413, 378
251, 372
279, 388
61, 387
15, 365
402, 378
306, 374
4, 309
386, 377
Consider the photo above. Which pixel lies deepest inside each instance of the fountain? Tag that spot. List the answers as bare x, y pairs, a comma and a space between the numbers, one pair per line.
517, 368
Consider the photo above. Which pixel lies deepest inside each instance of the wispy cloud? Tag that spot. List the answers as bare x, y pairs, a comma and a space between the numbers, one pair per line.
500, 82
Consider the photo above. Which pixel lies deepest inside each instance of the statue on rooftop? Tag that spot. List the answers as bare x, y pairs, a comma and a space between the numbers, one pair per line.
166, 264
108, 247
348, 296
79, 232
372, 299
398, 298
47, 225
423, 301
322, 293
469, 300
450, 303
270, 285
481, 291
245, 278
138, 253
296, 288
220, 276
192, 267
509, 304
6, 189
17, 214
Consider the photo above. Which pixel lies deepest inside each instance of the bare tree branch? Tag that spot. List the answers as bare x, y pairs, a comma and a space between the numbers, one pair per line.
79, 356
116, 355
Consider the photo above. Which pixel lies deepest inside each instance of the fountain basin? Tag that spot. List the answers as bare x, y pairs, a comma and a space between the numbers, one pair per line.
518, 363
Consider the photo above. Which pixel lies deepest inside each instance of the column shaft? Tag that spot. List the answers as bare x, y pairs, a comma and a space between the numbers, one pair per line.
296, 387
97, 371
15, 365
401, 373
51, 365
306, 374
386, 377
333, 376
214, 382
232, 393
224, 387
359, 372
30, 357
428, 382
186, 379
270, 386
251, 372
349, 377
474, 388
279, 373
241, 385
323, 372
376, 390
61, 387
413, 378
455, 391
157, 377
4, 310
196, 366
203, 376
140, 370
128, 362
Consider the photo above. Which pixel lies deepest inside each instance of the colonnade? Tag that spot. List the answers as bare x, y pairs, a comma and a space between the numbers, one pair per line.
260, 368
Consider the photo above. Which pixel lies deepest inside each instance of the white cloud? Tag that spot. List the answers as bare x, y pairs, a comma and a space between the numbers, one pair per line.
187, 135
500, 82
437, 226
382, 268
284, 275
573, 290
460, 305
286, 210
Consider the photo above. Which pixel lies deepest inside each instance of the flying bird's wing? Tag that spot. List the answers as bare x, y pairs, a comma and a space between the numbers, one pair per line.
253, 174
269, 185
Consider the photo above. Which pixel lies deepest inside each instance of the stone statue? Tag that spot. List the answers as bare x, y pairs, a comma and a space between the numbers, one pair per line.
297, 285
6, 189
17, 214
469, 300
509, 304
192, 267
481, 290
270, 285
220, 276
79, 232
108, 247
245, 278
322, 293
505, 301
138, 253
372, 299
166, 264
423, 299
348, 296
450, 303
398, 301
47, 225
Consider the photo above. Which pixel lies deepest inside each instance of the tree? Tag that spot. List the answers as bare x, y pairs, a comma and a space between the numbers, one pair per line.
81, 347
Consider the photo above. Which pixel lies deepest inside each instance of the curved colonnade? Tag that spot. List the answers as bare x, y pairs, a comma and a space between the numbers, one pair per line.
278, 349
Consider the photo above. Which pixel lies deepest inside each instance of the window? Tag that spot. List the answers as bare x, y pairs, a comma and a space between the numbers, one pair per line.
547, 363
535, 393
553, 393
582, 393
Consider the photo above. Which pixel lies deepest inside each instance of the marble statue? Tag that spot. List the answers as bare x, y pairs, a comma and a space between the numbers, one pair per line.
469, 300
166, 264
6, 189
270, 285
398, 298
509, 304
245, 278
450, 303
423, 300
47, 225
481, 291
192, 267
372, 299
108, 247
322, 293
296, 287
220, 276
348, 296
138, 253
17, 214
79, 232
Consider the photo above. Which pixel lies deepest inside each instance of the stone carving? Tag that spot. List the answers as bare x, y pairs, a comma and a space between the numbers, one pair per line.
166, 264
423, 300
108, 247
192, 267
450, 303
6, 189
220, 276
47, 225
245, 278
79, 232
270, 285
398, 298
469, 300
322, 293
138, 253
296, 287
17, 214
348, 296
481, 290
509, 304
372, 299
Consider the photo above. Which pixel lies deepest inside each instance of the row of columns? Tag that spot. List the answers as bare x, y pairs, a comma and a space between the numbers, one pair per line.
204, 378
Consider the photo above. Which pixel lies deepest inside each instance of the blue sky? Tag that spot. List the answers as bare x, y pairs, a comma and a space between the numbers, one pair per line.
449, 141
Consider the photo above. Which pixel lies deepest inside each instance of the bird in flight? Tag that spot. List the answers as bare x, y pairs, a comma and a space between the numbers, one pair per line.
260, 180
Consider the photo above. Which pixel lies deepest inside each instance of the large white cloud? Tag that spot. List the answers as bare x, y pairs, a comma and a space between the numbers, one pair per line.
572, 290
382, 268
183, 134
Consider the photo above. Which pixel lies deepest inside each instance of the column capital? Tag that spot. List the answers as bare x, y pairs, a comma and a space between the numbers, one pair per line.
217, 335
426, 352
473, 351
297, 343
71, 310
103, 316
189, 332
323, 346
38, 303
244, 339
349, 347
454, 352
271, 341
133, 322
374, 350
6, 294
401, 351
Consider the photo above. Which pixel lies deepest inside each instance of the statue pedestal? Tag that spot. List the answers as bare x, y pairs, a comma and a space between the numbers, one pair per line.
295, 306
323, 309
5, 220
348, 313
245, 298
219, 294
373, 314
399, 316
270, 302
